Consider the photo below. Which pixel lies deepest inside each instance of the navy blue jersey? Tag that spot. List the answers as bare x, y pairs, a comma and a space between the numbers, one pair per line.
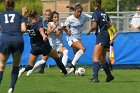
10, 22
33, 31
102, 19
11, 40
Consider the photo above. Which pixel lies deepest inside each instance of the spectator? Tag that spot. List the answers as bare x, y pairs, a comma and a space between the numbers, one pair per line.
135, 22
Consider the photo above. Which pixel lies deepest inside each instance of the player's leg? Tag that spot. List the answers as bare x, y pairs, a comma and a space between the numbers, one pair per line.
65, 55
59, 63
80, 49
3, 59
37, 64
106, 67
15, 70
96, 62
108, 56
30, 65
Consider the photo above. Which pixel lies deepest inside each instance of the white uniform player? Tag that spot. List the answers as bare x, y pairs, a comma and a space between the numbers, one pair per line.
76, 27
75, 22
55, 40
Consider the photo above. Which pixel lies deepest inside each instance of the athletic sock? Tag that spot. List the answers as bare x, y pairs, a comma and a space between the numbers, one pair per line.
65, 57
1, 75
106, 69
96, 66
14, 76
28, 67
60, 65
38, 63
77, 56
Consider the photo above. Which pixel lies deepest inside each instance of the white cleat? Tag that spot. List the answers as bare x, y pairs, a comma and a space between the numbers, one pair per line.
21, 72
70, 70
10, 90
29, 73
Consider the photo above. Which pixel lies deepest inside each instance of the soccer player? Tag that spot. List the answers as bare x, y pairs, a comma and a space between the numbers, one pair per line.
75, 23
40, 44
101, 22
55, 39
11, 41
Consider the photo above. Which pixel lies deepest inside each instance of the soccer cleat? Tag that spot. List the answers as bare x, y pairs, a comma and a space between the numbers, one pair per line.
10, 90
41, 71
72, 68
29, 73
108, 79
21, 72
94, 80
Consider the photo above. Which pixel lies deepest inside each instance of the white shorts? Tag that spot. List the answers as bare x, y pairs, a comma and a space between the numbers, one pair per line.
71, 40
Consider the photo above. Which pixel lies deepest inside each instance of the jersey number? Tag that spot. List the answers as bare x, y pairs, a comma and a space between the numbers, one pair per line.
9, 18
104, 16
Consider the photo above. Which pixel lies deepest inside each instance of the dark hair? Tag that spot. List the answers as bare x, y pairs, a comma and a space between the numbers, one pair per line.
10, 4
97, 3
77, 6
54, 12
32, 14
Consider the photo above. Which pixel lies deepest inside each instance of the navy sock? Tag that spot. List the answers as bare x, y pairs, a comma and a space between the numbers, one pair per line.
28, 67
1, 75
43, 66
14, 76
96, 66
60, 65
106, 69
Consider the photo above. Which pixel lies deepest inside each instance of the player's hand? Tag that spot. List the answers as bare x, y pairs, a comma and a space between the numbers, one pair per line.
57, 23
45, 38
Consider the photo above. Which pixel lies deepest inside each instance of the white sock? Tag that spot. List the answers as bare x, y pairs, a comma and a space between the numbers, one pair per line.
38, 63
77, 56
65, 57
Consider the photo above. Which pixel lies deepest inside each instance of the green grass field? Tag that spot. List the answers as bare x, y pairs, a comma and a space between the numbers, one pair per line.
126, 81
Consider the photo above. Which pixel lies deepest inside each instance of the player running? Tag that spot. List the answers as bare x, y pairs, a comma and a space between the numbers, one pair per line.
101, 22
40, 44
75, 23
11, 40
55, 39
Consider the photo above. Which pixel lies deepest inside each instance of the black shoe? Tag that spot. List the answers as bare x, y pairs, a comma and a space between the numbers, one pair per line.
94, 80
108, 79
41, 71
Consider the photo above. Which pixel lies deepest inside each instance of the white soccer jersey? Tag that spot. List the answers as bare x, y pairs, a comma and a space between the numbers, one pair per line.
54, 39
76, 24
135, 20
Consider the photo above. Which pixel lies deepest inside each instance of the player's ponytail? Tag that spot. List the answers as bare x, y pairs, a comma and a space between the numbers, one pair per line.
10, 4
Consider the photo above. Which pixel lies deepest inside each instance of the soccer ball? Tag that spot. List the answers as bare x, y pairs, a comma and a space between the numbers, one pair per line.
80, 71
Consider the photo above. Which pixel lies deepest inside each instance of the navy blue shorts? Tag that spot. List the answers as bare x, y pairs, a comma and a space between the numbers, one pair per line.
103, 39
11, 44
41, 48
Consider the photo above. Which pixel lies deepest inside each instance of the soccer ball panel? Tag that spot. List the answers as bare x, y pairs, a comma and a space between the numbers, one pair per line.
80, 71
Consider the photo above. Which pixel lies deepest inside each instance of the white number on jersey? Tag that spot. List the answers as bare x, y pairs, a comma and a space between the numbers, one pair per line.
104, 17
31, 32
9, 18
